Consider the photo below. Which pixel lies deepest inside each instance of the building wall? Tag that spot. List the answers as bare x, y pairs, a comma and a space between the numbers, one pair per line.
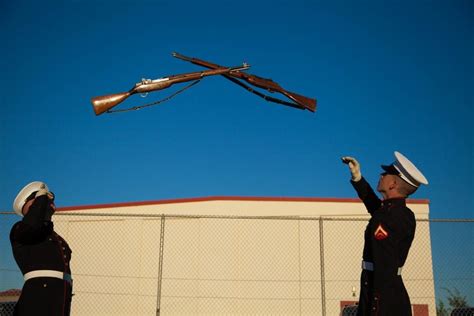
234, 256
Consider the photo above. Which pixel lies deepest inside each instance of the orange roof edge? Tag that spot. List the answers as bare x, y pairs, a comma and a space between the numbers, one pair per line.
225, 198
10, 292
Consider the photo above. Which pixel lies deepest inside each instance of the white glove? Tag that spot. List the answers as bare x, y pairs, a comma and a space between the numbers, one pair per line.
354, 167
44, 192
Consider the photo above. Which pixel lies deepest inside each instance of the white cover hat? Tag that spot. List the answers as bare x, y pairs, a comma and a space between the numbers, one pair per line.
407, 170
20, 199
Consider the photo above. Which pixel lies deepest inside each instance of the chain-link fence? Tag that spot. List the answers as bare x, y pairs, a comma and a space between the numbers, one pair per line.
191, 265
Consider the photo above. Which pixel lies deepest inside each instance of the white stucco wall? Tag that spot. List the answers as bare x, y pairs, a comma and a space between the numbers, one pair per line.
227, 265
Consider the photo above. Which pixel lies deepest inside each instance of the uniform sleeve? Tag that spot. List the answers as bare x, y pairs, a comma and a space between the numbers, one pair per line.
36, 214
367, 195
407, 225
25, 234
33, 228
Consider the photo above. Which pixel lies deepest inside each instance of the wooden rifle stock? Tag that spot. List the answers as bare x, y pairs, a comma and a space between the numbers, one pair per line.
301, 102
104, 103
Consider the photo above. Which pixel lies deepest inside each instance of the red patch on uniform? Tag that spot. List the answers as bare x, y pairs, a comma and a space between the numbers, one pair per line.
380, 233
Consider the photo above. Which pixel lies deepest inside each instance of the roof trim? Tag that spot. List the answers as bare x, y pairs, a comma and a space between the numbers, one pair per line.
225, 198
10, 292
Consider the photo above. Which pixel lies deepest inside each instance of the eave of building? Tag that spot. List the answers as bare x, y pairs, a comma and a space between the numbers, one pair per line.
244, 205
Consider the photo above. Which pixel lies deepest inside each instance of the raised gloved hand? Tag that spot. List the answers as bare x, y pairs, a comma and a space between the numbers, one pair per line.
354, 167
50, 206
44, 192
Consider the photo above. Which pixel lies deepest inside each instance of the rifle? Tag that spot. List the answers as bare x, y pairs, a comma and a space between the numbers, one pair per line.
104, 103
299, 101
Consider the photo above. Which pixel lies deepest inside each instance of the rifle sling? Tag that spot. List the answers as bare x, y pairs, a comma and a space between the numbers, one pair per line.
134, 108
240, 83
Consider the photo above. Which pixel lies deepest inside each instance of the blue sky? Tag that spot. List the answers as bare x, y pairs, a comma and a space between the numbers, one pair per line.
388, 75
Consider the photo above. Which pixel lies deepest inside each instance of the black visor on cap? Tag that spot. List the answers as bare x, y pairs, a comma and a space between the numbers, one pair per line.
31, 196
390, 170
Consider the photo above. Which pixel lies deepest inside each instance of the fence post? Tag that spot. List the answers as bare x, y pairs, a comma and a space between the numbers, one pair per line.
321, 258
160, 266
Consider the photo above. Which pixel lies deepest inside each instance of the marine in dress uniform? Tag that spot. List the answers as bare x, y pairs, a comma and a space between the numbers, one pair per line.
41, 254
388, 236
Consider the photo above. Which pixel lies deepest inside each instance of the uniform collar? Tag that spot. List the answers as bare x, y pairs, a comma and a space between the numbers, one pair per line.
394, 202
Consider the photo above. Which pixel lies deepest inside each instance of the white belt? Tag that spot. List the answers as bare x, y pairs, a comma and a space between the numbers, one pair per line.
369, 266
48, 274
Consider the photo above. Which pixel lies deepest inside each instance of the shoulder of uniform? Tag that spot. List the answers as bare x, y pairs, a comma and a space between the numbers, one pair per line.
15, 226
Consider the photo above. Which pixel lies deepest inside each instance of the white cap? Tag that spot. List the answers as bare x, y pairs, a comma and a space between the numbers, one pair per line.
407, 170
20, 199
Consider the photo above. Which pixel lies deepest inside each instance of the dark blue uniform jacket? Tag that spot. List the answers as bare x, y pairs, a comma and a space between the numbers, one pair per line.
387, 240
36, 246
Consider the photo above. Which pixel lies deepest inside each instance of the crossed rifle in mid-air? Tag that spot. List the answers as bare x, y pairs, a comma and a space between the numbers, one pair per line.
104, 104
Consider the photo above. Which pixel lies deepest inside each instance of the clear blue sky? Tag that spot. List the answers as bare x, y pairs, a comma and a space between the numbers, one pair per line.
388, 75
